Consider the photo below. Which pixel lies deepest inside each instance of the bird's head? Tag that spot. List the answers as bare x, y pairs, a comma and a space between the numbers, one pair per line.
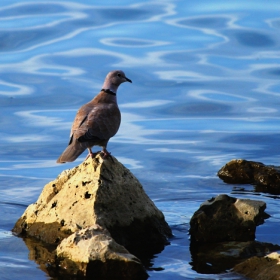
117, 77
114, 79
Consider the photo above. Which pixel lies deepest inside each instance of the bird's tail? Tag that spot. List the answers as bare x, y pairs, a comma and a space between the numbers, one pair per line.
71, 152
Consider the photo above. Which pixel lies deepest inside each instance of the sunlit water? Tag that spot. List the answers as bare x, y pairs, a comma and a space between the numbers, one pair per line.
205, 90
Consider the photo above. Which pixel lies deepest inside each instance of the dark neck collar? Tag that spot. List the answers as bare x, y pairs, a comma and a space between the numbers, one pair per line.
109, 91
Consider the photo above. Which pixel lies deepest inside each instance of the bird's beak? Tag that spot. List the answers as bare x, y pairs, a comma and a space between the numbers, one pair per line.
128, 80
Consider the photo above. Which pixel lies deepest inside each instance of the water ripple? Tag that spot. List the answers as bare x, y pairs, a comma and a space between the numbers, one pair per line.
205, 90
131, 42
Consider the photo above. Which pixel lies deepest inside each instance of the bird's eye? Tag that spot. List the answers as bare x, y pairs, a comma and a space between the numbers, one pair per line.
119, 75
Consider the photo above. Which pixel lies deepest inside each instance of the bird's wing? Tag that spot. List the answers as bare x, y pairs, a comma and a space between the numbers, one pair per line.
81, 117
100, 123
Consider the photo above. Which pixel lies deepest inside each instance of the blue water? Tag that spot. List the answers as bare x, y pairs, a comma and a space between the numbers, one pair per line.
205, 90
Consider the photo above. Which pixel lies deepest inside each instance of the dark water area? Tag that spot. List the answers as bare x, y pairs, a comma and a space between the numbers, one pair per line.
205, 90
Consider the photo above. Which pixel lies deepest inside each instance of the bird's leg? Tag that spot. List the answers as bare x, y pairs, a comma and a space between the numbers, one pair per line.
90, 154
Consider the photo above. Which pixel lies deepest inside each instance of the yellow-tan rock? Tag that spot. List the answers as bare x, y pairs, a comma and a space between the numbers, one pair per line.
101, 192
92, 252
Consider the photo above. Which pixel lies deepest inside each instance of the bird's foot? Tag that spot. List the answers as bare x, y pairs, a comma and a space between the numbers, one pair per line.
105, 154
91, 155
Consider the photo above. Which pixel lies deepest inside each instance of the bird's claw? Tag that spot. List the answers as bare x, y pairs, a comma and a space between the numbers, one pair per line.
92, 155
105, 155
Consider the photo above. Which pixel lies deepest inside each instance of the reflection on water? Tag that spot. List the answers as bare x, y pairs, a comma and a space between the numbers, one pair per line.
205, 90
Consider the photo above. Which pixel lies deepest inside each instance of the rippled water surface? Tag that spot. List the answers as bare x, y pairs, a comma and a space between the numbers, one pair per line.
205, 90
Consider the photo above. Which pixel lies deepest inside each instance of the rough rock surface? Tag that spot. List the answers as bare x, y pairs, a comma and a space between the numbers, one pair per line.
226, 218
261, 268
240, 171
222, 256
101, 192
92, 252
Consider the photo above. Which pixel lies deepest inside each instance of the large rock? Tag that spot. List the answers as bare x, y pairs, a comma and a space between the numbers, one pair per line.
226, 218
261, 268
239, 171
101, 192
93, 252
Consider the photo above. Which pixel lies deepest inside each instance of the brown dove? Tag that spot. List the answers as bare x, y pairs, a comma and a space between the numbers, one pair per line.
97, 121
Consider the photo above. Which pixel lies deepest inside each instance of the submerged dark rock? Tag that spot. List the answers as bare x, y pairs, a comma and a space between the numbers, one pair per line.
222, 256
240, 171
223, 231
226, 218
260, 268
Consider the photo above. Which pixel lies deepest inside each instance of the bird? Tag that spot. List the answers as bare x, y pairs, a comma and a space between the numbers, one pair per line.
96, 121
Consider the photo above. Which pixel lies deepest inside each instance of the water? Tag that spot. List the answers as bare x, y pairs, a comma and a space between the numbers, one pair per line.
205, 90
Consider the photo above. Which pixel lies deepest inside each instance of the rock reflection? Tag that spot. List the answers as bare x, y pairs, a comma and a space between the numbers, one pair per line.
44, 255
219, 257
